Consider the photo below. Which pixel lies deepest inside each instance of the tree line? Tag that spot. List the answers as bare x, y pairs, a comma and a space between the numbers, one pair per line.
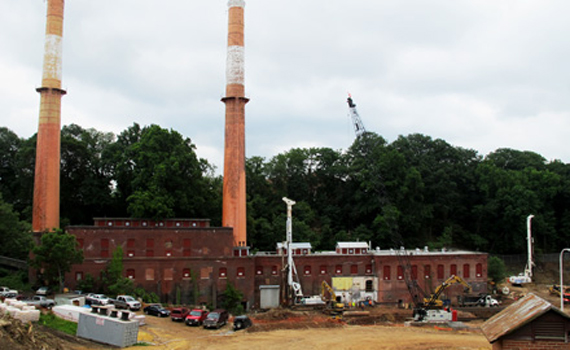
416, 191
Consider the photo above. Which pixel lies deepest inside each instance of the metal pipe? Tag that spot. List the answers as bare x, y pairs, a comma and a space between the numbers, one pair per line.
562, 277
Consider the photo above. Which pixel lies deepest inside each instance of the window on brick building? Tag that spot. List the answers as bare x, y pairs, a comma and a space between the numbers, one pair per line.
168, 248
131, 274
466, 271
223, 273
453, 270
186, 247
149, 274
186, 274
354, 269
368, 269
150, 247
104, 247
168, 274
274, 270
338, 269
414, 272
79, 275
344, 250
427, 271
259, 270
240, 272
323, 270
440, 274
387, 273
307, 270
369, 286
479, 270
400, 272
130, 243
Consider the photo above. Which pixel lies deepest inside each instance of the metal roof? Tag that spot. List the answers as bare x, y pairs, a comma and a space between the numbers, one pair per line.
296, 245
517, 315
352, 245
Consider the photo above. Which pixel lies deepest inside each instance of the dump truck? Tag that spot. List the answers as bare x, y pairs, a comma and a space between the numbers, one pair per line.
484, 300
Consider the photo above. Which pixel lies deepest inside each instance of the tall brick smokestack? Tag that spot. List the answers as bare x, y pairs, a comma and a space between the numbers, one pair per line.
234, 214
46, 183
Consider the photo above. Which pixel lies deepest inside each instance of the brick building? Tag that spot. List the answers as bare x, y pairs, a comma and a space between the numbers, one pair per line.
187, 256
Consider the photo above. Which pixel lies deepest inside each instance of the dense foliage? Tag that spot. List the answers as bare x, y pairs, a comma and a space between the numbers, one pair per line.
415, 191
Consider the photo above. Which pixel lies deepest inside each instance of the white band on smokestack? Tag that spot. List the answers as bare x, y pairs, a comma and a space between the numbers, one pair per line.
52, 57
236, 3
235, 65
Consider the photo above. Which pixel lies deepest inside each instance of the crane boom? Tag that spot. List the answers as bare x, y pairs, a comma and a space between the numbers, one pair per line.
356, 121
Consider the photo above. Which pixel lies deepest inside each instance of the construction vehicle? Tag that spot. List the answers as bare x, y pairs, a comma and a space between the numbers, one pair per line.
484, 300
555, 289
526, 277
333, 305
435, 301
356, 121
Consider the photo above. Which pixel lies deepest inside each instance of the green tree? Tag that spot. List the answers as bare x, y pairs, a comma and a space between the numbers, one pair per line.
15, 235
232, 300
113, 278
496, 269
55, 255
159, 175
85, 177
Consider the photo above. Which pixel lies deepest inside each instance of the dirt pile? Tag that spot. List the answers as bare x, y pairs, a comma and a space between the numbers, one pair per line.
286, 319
14, 335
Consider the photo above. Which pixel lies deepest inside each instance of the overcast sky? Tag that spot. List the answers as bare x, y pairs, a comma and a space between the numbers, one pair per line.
481, 74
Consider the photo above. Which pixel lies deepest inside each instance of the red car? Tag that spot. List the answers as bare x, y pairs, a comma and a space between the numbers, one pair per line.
178, 314
196, 317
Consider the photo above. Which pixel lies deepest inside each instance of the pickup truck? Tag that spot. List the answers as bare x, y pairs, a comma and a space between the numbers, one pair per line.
127, 302
97, 299
8, 293
40, 301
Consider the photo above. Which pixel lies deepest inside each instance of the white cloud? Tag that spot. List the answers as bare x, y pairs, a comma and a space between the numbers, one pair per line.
478, 74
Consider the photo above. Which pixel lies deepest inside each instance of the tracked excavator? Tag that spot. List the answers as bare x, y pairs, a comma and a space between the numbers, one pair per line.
333, 306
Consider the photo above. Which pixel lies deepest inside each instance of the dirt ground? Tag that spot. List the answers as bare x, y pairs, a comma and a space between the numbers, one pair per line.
291, 330
382, 328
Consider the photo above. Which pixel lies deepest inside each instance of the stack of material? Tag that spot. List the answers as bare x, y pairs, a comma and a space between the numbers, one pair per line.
20, 311
69, 312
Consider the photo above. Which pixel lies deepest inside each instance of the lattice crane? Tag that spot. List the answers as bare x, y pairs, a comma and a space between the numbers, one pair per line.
356, 121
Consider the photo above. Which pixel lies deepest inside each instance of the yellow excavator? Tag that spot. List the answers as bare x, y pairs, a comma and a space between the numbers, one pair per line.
328, 295
434, 301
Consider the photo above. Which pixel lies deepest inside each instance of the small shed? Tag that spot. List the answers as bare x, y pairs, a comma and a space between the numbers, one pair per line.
529, 323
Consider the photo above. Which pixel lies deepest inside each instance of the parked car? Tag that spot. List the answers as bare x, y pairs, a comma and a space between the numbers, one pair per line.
216, 319
97, 299
127, 302
156, 310
8, 293
196, 317
40, 301
43, 291
242, 322
178, 314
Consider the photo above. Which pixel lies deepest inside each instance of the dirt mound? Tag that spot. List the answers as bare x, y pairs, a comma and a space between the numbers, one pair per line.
304, 324
14, 335
279, 314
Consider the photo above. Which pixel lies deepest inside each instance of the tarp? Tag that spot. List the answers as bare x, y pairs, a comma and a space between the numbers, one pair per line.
342, 283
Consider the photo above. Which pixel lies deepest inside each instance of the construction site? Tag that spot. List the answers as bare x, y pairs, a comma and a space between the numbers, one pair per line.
357, 296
